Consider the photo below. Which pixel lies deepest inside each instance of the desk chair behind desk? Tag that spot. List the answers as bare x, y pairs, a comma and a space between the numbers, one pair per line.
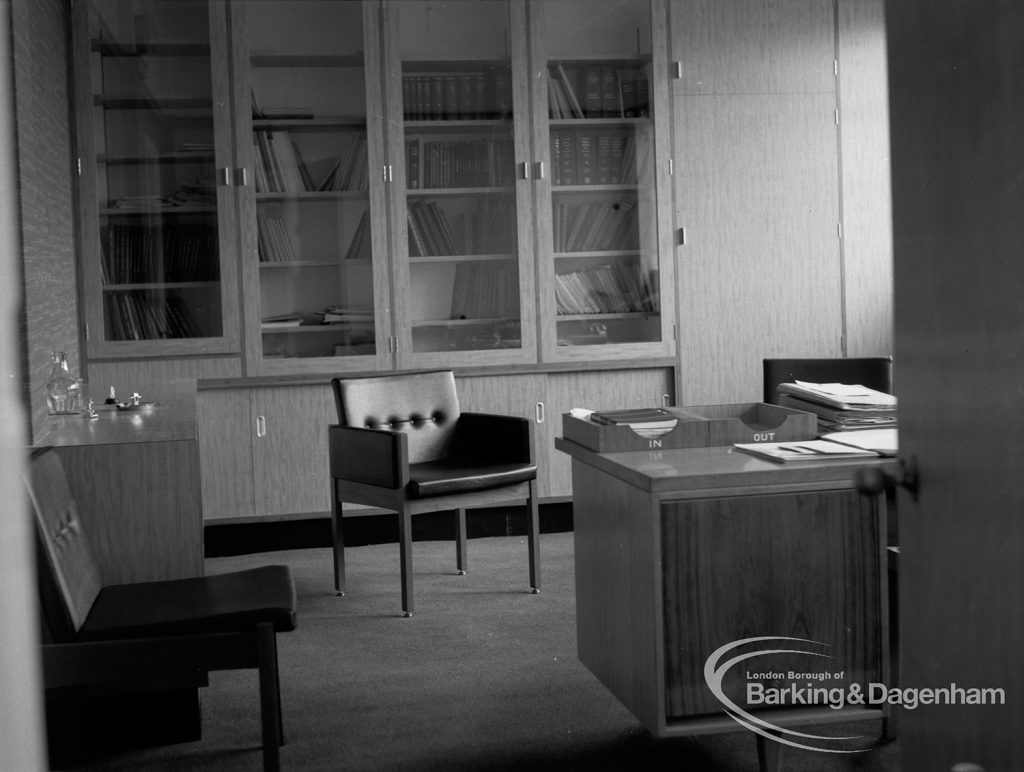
873, 372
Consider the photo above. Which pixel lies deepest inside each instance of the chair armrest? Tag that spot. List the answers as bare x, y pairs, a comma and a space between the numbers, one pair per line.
371, 456
494, 438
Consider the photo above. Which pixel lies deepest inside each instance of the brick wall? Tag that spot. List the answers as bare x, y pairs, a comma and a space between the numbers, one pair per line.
46, 194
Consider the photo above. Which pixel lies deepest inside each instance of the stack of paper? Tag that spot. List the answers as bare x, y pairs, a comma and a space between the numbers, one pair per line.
647, 422
840, 406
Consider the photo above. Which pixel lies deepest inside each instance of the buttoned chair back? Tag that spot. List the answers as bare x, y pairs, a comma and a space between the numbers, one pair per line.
424, 406
403, 443
69, 573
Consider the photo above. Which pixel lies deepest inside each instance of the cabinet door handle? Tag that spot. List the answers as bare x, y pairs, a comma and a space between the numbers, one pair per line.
225, 176
540, 170
540, 412
261, 426
526, 169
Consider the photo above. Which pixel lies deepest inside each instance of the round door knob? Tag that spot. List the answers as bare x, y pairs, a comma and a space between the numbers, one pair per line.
872, 481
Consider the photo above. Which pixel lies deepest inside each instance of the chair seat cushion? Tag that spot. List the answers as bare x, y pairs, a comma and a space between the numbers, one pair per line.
448, 476
203, 604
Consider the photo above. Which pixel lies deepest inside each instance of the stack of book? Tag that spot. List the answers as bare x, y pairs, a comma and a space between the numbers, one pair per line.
840, 406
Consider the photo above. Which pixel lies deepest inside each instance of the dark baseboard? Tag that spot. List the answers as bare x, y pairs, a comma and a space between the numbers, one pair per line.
243, 538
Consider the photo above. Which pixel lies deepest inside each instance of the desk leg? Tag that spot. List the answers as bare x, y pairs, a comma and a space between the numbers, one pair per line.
768, 755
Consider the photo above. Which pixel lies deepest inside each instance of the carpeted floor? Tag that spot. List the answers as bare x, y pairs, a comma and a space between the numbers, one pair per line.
484, 676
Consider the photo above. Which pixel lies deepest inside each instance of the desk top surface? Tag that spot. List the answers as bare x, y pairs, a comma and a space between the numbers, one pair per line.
691, 469
166, 420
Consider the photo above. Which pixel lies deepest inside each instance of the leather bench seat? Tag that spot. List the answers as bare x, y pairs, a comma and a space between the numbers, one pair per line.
448, 476
202, 604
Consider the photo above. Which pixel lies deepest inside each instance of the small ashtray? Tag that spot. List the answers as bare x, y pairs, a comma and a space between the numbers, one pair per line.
127, 407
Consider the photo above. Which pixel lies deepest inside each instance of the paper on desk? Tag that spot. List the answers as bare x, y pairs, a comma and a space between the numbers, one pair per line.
884, 441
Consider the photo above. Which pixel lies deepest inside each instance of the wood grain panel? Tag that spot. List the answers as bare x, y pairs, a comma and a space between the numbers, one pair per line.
598, 391
759, 276
867, 200
753, 46
225, 452
141, 506
617, 628
290, 462
156, 379
804, 565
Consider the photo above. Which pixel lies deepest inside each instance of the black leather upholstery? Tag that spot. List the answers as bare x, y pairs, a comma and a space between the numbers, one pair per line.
204, 604
403, 443
133, 636
873, 372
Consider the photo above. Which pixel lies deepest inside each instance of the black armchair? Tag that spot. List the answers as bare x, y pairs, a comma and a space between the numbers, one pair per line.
402, 444
141, 637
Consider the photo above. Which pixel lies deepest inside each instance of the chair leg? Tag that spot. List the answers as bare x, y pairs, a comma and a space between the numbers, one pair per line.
405, 556
533, 537
460, 541
270, 697
338, 540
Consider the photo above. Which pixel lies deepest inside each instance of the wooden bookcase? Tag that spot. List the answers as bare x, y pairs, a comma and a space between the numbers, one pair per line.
156, 226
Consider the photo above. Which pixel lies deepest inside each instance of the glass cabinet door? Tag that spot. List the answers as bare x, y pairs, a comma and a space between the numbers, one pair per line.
152, 136
457, 90
309, 131
602, 224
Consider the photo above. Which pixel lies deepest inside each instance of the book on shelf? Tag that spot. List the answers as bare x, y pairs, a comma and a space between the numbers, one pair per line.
361, 247
291, 319
340, 314
274, 244
805, 450
485, 290
573, 107
605, 289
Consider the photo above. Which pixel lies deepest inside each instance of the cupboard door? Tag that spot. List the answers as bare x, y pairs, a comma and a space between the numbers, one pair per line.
597, 390
308, 130
156, 223
290, 458
225, 431
517, 395
457, 90
602, 209
757, 190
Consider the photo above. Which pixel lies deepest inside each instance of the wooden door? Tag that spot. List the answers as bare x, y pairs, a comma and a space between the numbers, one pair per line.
290, 456
225, 453
957, 107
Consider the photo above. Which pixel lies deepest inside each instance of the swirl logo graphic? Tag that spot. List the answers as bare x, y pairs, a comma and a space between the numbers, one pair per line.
720, 662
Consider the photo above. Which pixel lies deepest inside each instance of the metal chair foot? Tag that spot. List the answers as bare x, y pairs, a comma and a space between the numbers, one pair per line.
535, 590
339, 593
460, 572
407, 614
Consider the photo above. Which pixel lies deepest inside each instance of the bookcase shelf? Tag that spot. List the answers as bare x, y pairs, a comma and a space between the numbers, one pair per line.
155, 277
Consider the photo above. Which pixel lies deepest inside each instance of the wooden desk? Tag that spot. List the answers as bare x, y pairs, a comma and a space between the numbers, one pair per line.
136, 478
680, 552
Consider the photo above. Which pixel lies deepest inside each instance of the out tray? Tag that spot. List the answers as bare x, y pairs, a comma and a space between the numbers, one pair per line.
699, 426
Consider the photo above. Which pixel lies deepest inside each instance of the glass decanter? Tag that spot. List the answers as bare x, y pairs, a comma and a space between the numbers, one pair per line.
63, 390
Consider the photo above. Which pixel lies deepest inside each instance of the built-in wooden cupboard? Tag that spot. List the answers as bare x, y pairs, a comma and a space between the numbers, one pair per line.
586, 203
